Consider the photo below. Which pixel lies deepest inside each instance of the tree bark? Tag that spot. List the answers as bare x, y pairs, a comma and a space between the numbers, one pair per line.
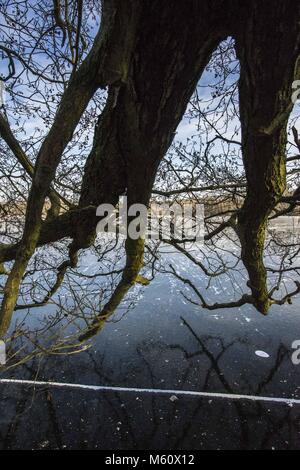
141, 116
268, 47
151, 55
106, 63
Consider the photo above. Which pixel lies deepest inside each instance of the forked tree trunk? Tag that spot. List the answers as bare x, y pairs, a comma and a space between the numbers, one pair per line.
141, 116
151, 55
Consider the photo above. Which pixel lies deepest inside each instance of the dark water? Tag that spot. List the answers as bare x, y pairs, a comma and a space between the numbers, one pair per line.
166, 342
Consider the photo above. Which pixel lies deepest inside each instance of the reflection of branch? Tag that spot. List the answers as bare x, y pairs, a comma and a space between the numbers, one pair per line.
244, 414
214, 361
281, 354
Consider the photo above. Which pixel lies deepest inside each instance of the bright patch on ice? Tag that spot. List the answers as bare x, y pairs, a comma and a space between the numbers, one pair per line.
262, 354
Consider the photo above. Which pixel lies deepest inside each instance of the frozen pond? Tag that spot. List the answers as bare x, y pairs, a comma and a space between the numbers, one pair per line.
166, 343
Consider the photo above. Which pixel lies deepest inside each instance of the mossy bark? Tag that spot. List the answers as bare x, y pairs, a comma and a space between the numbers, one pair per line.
268, 47
141, 116
151, 54
103, 66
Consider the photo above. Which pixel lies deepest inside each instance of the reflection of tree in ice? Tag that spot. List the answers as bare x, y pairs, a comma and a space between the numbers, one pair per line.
143, 421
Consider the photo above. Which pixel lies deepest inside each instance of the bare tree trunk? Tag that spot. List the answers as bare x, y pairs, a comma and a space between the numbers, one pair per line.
106, 63
151, 54
141, 116
268, 46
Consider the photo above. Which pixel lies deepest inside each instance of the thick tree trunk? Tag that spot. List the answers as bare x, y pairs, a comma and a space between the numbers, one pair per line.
173, 44
141, 116
106, 63
151, 55
268, 47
